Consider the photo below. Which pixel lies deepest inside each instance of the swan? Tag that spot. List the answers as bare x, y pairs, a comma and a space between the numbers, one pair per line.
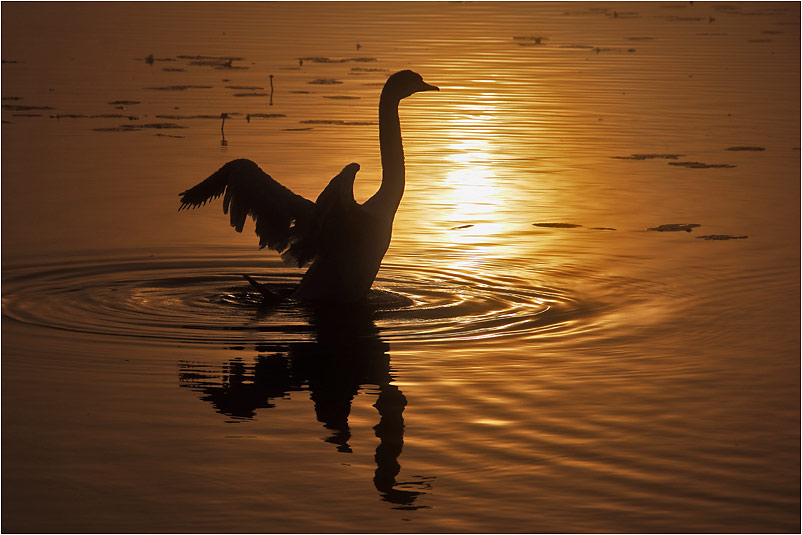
344, 241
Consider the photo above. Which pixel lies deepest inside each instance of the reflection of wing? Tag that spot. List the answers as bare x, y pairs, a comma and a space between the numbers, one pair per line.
331, 221
249, 191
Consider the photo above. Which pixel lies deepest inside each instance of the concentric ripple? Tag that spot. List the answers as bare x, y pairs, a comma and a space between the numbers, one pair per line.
180, 297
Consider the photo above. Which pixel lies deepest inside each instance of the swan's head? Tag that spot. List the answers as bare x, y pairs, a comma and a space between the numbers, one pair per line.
404, 83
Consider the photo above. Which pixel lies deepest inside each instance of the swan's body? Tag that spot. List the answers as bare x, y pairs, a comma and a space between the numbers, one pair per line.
344, 241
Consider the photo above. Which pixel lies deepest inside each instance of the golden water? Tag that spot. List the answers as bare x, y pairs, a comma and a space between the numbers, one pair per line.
504, 376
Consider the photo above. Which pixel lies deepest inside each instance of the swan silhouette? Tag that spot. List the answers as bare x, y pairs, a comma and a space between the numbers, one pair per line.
343, 240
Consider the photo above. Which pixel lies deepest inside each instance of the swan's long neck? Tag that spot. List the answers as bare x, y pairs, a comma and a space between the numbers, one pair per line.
392, 152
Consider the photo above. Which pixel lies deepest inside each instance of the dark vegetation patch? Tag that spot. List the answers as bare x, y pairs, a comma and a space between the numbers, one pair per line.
557, 225
700, 165
211, 58
319, 59
137, 127
524, 40
20, 107
179, 117
98, 116
324, 81
648, 157
675, 227
721, 237
178, 87
150, 59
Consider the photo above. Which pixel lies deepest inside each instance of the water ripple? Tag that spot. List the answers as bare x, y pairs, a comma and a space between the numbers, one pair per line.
199, 298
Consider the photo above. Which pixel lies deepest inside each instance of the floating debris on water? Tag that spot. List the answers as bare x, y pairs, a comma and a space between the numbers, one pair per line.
746, 148
211, 58
250, 95
368, 69
602, 228
530, 40
648, 157
216, 62
245, 87
26, 114
178, 87
123, 128
721, 237
20, 107
124, 102
173, 69
11, 61
557, 225
324, 81
98, 116
267, 115
137, 127
169, 135
639, 38
296, 129
150, 60
300, 92
187, 117
318, 59
161, 125
461, 226
700, 165
335, 122
675, 227
341, 97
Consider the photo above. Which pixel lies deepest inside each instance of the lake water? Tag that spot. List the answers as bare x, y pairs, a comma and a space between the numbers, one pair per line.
532, 358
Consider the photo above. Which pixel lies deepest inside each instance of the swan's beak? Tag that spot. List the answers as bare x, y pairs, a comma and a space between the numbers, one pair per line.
428, 87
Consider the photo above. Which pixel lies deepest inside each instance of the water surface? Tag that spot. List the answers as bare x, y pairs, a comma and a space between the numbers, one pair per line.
532, 358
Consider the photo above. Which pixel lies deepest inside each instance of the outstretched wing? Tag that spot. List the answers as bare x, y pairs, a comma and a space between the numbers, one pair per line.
249, 191
331, 221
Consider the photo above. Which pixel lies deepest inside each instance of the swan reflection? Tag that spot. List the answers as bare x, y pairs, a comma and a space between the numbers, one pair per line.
346, 354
